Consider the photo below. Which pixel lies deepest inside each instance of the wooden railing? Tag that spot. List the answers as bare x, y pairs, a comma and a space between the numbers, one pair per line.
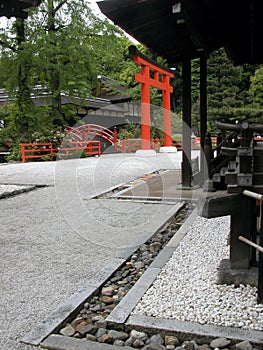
36, 150
132, 145
67, 149
81, 132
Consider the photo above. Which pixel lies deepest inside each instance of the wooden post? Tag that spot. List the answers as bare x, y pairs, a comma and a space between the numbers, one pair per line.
203, 114
23, 153
146, 109
166, 112
241, 224
260, 266
186, 164
115, 136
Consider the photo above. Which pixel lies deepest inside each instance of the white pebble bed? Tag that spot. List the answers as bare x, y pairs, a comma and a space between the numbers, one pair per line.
186, 287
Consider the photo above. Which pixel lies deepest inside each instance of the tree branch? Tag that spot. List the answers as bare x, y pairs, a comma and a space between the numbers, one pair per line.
63, 2
6, 45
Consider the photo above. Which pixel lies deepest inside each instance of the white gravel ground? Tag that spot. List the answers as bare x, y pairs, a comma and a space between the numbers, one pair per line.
186, 288
53, 239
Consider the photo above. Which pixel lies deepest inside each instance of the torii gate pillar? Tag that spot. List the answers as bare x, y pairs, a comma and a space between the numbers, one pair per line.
157, 76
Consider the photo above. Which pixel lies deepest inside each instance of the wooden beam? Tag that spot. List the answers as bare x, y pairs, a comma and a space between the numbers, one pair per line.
187, 105
203, 112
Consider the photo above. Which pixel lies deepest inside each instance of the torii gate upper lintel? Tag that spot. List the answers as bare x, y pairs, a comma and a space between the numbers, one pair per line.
160, 80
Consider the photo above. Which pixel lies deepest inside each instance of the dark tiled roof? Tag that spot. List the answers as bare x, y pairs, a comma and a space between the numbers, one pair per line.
168, 27
16, 8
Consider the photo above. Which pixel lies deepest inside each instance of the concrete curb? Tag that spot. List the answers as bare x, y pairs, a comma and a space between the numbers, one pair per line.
189, 330
60, 342
73, 305
123, 310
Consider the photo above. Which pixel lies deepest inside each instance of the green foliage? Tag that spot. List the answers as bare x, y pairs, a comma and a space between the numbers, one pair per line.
230, 95
256, 88
54, 136
131, 131
15, 153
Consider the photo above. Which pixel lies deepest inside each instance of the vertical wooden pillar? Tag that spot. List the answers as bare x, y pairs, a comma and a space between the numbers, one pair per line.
241, 224
146, 109
260, 267
203, 113
186, 163
166, 112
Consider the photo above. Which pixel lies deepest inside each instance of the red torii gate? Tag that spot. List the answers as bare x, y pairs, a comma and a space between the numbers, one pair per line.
160, 79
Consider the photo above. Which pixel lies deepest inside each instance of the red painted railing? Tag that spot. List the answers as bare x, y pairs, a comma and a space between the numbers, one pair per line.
67, 149
132, 145
82, 131
35, 150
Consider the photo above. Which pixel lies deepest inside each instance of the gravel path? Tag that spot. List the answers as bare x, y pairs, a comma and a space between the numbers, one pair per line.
186, 288
53, 239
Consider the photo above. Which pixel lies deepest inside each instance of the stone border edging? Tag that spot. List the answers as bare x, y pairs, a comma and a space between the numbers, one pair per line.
61, 342
71, 307
194, 329
122, 311
24, 189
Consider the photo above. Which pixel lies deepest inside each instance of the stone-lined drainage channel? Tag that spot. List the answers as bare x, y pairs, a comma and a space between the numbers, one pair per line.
93, 322
90, 322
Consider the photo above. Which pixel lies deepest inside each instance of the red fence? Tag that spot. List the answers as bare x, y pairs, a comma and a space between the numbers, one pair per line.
36, 150
68, 149
132, 145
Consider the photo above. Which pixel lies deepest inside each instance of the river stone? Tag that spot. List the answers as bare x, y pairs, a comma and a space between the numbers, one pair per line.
154, 346
204, 347
106, 338
107, 300
101, 332
170, 347
138, 335
190, 345
89, 328
80, 325
171, 340
118, 342
67, 331
244, 345
219, 343
138, 343
129, 341
156, 338
118, 335
96, 308
108, 291
77, 321
101, 324
91, 337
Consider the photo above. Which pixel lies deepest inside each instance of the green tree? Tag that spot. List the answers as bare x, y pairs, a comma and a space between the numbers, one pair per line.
228, 91
256, 88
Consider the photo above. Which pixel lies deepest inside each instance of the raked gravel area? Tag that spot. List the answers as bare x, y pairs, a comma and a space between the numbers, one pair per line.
186, 288
54, 238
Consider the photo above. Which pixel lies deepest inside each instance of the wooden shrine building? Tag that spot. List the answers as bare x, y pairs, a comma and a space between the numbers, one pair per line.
182, 30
